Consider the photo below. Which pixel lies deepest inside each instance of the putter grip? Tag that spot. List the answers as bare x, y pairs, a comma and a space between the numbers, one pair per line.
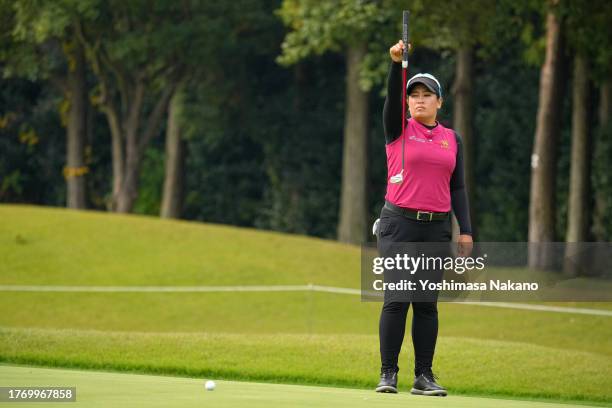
406, 16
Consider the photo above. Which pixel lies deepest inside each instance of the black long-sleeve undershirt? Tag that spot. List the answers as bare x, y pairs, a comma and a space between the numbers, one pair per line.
392, 111
392, 124
459, 197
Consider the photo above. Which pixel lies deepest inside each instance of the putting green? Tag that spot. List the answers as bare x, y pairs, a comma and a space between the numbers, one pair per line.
103, 389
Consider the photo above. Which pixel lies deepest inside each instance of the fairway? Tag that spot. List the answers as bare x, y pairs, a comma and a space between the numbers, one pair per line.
102, 389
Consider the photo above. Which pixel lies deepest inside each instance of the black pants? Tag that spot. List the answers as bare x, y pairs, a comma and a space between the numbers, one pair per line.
395, 228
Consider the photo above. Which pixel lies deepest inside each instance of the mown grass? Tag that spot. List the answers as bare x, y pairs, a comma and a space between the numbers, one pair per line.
292, 312
477, 366
298, 337
118, 390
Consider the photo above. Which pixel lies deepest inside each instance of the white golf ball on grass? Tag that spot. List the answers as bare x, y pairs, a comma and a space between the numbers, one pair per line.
210, 385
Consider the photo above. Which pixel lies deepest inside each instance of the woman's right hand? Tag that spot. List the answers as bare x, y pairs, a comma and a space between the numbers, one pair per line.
397, 50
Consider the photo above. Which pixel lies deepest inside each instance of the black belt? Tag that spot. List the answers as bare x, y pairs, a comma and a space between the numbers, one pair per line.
417, 215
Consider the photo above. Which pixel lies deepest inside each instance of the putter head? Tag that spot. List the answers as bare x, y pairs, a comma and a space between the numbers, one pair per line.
375, 227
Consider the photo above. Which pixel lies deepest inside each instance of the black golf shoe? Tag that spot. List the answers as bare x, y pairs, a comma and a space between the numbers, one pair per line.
425, 384
388, 381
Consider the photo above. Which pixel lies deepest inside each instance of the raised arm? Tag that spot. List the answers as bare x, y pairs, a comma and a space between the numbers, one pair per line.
392, 111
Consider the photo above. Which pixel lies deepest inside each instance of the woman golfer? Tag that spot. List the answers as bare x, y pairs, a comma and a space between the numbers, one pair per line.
425, 180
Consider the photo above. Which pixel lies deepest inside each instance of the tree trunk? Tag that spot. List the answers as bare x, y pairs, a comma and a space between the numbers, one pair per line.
544, 157
129, 188
605, 103
118, 157
130, 140
122, 101
463, 124
579, 188
128, 192
76, 170
601, 199
353, 213
172, 198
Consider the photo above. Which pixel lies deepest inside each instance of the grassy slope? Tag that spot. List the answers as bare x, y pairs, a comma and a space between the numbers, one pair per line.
55, 246
481, 350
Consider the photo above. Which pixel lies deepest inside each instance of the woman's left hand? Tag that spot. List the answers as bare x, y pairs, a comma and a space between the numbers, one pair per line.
464, 245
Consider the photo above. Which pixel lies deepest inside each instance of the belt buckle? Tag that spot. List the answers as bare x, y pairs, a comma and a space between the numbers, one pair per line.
424, 212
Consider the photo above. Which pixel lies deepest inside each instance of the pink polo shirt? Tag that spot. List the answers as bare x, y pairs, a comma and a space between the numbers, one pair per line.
429, 162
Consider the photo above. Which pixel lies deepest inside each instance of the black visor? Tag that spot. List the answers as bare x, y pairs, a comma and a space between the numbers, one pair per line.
428, 82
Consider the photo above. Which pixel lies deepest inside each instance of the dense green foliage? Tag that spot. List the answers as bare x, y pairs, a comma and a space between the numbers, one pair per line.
265, 140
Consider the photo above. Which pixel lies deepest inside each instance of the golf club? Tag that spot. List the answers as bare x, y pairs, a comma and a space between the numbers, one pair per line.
398, 178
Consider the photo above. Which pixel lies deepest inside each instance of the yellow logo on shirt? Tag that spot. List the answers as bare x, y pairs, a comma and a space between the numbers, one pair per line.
444, 144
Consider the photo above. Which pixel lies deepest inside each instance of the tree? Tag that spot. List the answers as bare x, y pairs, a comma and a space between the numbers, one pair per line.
580, 36
353, 213
463, 114
544, 158
345, 26
44, 47
210, 31
134, 50
76, 90
589, 38
175, 159
578, 208
589, 59
578, 212
140, 52
602, 211
462, 26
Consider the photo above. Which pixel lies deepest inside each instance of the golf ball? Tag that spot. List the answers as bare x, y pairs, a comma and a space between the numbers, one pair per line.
210, 385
